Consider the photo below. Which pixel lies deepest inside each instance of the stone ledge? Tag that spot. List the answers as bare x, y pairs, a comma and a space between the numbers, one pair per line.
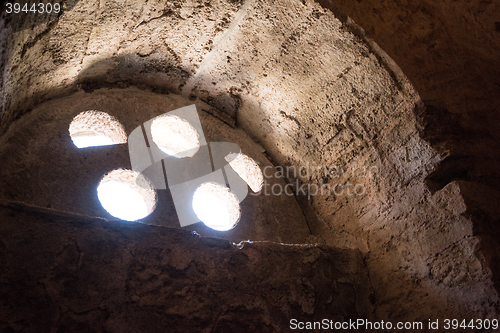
94, 275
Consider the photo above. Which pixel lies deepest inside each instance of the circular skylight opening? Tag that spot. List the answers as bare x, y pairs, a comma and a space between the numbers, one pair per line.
175, 136
247, 169
216, 206
127, 195
96, 128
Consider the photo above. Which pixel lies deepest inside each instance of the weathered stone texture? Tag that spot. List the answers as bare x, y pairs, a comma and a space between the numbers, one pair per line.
449, 51
43, 167
64, 273
310, 87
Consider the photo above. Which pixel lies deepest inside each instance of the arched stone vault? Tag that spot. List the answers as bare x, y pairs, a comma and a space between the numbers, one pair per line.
446, 50
303, 81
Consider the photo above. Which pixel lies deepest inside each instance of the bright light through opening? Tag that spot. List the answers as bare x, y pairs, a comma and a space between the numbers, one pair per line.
216, 206
175, 136
90, 139
96, 128
127, 195
247, 169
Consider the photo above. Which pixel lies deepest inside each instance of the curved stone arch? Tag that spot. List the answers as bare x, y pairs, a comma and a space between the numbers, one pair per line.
96, 128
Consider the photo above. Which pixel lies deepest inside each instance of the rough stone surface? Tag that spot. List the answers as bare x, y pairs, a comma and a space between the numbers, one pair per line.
312, 89
69, 274
247, 169
449, 51
100, 123
43, 167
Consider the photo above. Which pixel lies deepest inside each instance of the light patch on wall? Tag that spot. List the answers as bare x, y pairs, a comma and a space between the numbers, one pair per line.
175, 136
127, 195
247, 169
95, 128
216, 206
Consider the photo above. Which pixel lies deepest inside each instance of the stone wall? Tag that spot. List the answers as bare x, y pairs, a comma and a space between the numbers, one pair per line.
309, 86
